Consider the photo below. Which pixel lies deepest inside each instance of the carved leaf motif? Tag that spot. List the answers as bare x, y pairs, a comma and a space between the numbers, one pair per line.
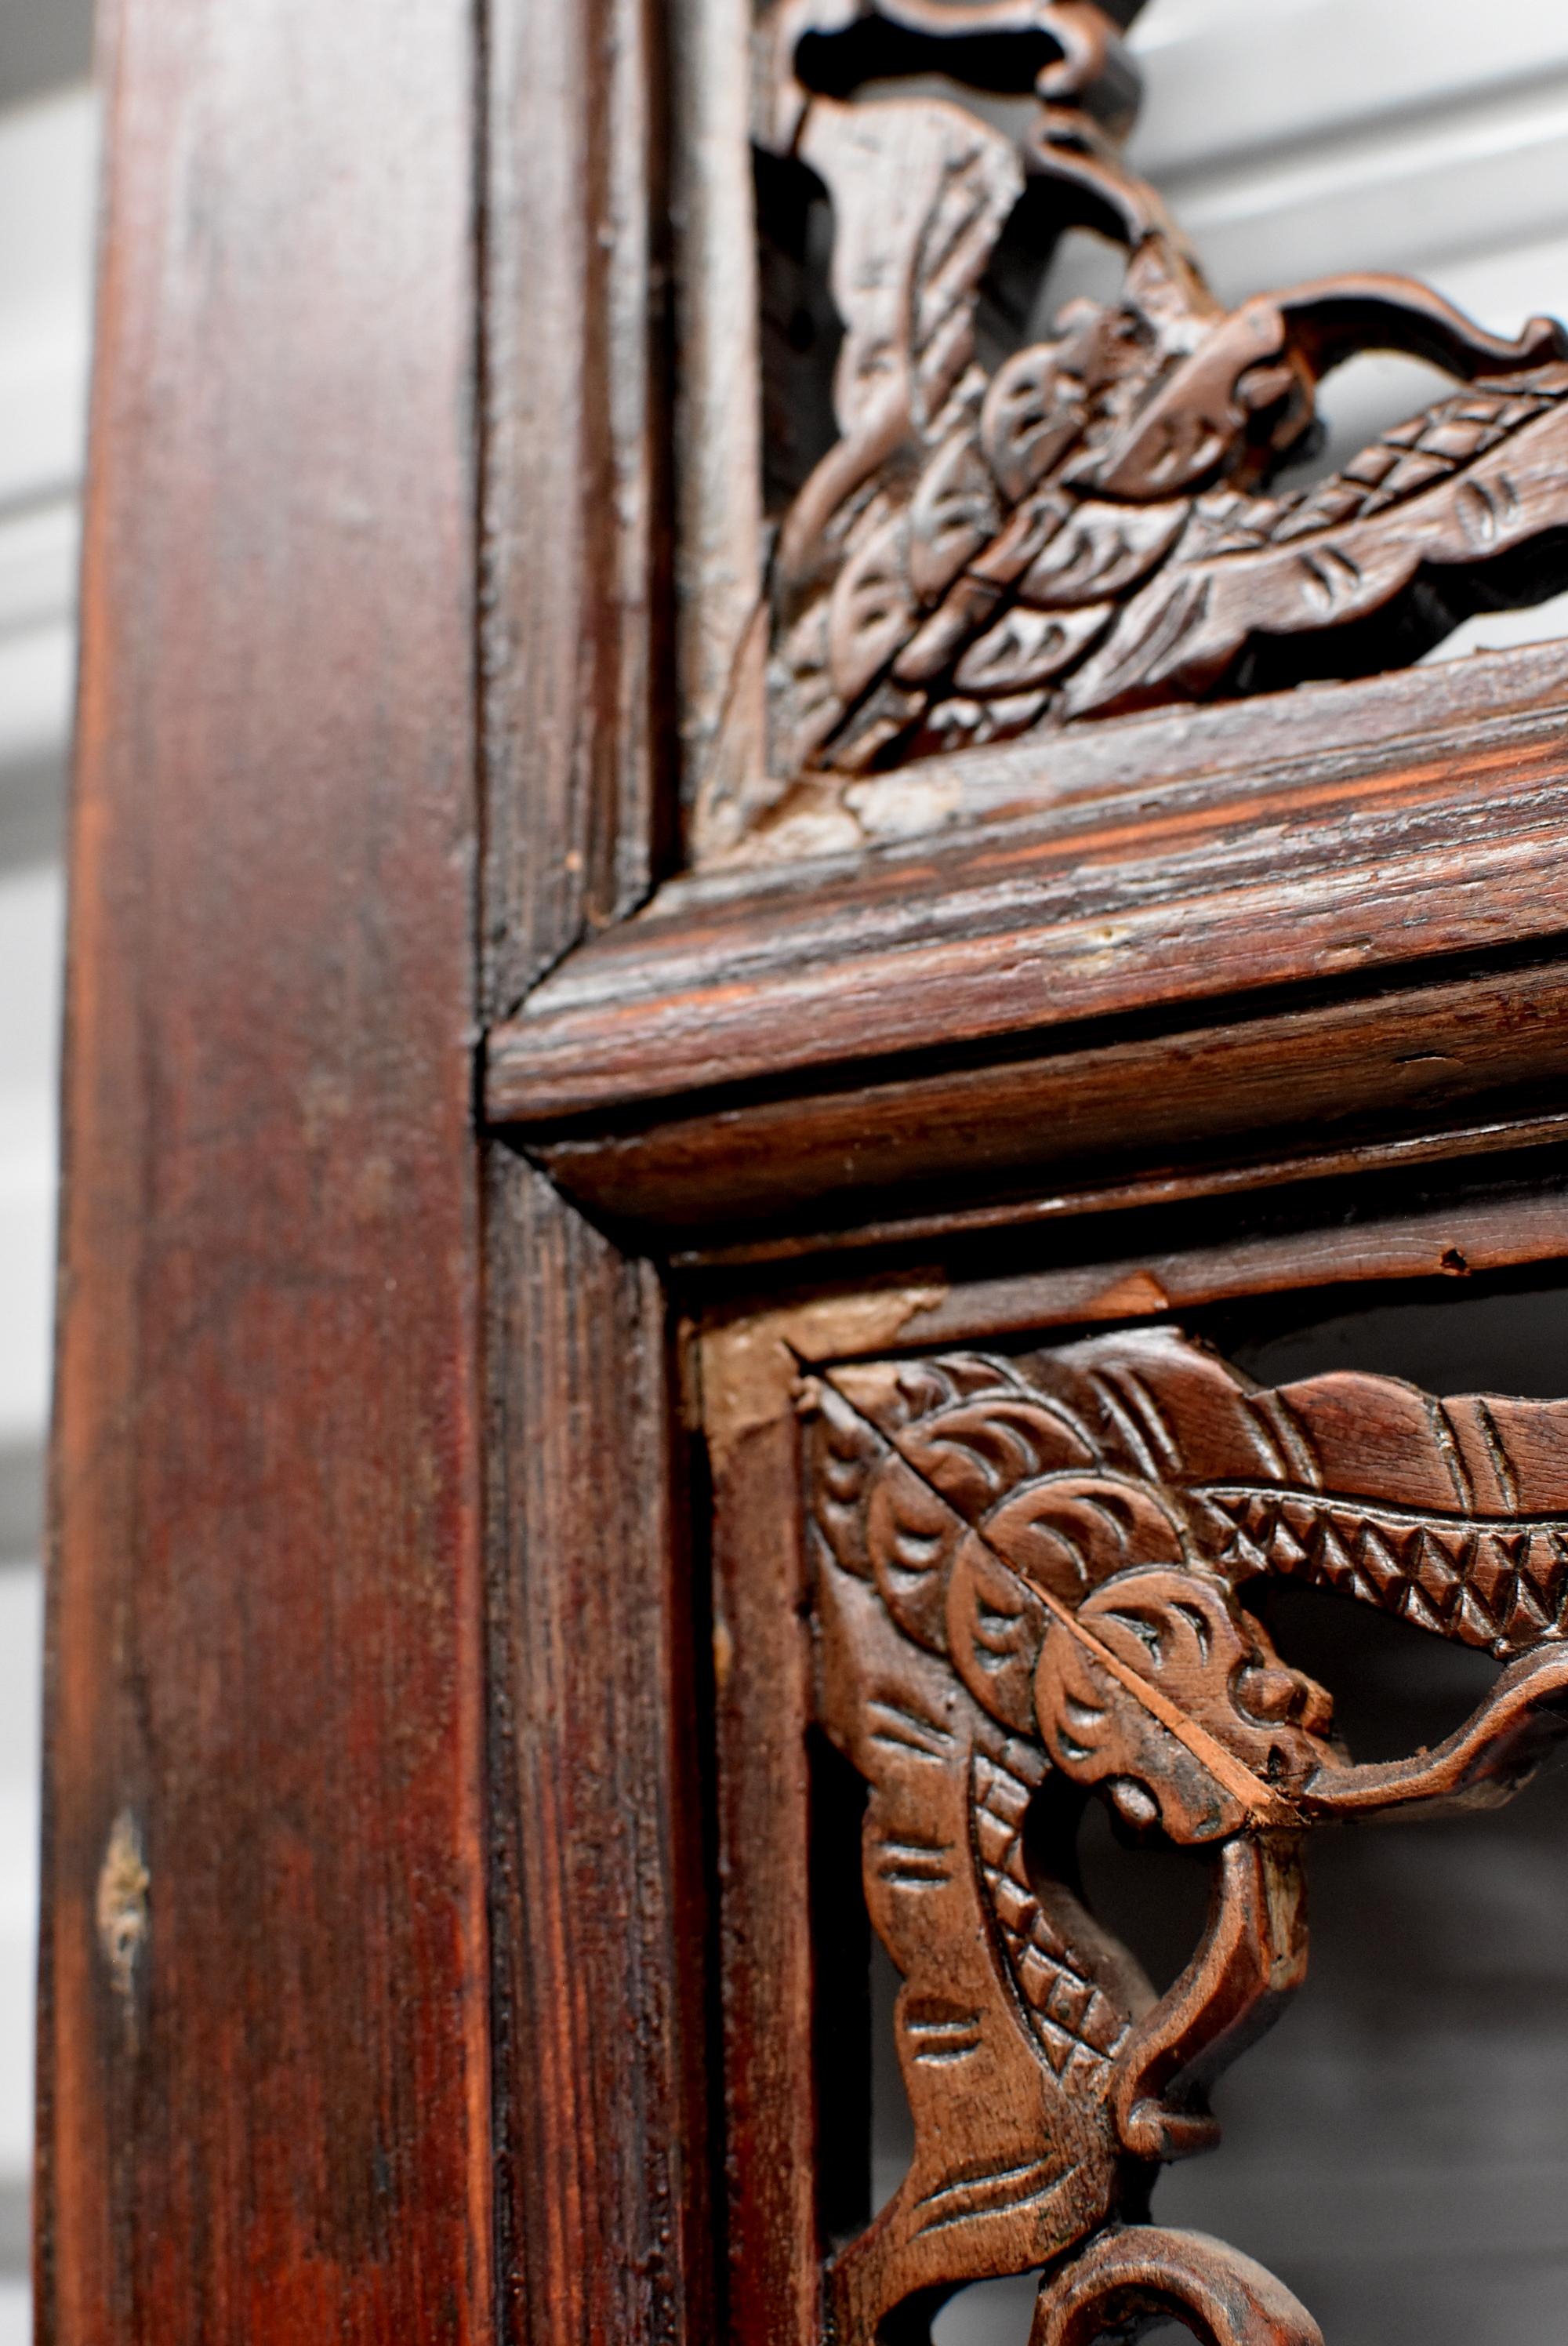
1068, 1533
1135, 1450
1288, 567
954, 512
1104, 551
1034, 410
1179, 1633
994, 1627
1027, 648
873, 608
912, 1537
979, 1448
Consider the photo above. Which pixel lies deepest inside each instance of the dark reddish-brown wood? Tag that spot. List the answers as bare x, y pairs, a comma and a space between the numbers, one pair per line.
597, 1831
1022, 1574
264, 2037
1333, 869
761, 1669
575, 540
391, 546
597, 1840
1332, 1083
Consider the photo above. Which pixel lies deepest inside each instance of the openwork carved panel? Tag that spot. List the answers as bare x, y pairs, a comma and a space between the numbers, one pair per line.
1033, 1585
1015, 523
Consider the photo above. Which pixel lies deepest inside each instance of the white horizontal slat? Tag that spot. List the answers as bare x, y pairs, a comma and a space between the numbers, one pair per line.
48, 174
37, 671
26, 1250
38, 553
1228, 76
1392, 198
32, 918
31, 912
43, 407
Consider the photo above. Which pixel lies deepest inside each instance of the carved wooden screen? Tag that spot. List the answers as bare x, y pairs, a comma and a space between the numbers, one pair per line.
968, 1588
975, 513
1070, 838
974, 898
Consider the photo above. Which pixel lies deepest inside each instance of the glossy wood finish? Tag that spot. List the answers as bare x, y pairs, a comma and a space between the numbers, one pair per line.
763, 1710
1321, 869
264, 2032
358, 791
1283, 1096
1083, 510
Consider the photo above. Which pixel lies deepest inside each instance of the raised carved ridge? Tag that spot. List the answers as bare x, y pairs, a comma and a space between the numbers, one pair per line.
1028, 1583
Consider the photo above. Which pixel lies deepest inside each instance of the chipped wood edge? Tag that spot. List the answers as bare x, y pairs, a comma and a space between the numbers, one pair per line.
748, 1370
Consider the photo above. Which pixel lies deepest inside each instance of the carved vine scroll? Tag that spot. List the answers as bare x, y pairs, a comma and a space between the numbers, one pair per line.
1090, 524
1029, 1585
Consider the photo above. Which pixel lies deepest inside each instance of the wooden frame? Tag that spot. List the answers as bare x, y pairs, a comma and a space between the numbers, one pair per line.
380, 1959
265, 1690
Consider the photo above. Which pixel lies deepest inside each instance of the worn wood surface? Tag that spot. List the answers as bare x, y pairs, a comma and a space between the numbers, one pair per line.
264, 2061
1404, 1225
576, 533
762, 1709
821, 817
1316, 872
597, 1809
1311, 1086
602, 2188
1218, 951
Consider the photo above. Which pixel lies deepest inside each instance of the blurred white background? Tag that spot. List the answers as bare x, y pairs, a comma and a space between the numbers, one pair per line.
1293, 136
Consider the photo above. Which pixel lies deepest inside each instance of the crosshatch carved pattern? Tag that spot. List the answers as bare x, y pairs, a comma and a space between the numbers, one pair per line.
1091, 525
1029, 1582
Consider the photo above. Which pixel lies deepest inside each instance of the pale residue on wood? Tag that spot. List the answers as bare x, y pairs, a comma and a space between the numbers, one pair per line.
123, 1918
750, 1368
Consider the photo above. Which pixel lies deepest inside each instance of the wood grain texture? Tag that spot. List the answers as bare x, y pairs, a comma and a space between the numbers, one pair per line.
1124, 758
1319, 1082
597, 1898
762, 1671
1316, 872
264, 2040
1347, 1235
575, 538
